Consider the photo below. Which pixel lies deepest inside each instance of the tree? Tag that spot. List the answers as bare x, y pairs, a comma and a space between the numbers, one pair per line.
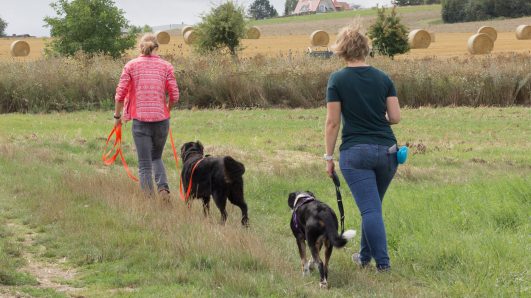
454, 11
262, 9
138, 29
223, 27
290, 6
90, 26
388, 34
3, 26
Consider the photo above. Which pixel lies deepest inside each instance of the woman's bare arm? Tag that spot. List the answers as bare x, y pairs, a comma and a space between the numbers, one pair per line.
393, 110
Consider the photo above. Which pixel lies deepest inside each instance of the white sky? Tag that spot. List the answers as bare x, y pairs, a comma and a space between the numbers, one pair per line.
26, 16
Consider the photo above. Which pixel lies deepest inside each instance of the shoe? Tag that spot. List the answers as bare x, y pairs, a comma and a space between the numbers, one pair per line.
356, 258
383, 269
165, 195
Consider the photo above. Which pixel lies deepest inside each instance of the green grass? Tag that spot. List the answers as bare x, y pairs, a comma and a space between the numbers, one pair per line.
342, 15
457, 214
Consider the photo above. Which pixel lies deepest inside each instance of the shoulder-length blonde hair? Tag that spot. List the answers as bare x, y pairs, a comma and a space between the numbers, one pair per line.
351, 44
148, 43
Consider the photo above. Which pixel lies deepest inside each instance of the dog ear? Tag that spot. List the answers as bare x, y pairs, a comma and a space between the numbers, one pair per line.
310, 193
200, 146
291, 199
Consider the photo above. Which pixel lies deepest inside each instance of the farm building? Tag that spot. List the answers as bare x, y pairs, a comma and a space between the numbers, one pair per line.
313, 6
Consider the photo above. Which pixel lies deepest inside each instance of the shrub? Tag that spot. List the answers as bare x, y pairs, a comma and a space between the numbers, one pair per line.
222, 28
69, 84
388, 35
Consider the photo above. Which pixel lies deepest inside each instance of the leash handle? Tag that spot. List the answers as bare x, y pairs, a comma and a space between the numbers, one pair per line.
337, 184
109, 158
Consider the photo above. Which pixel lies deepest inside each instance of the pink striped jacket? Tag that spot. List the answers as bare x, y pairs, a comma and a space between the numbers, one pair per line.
143, 86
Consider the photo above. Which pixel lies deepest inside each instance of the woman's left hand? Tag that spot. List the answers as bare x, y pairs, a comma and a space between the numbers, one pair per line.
330, 167
117, 121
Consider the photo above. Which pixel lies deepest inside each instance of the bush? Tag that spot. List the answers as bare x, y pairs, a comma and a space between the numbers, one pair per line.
68, 84
90, 26
222, 28
388, 35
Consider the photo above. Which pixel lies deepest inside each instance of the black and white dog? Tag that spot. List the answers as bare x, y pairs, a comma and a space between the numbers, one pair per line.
218, 177
315, 223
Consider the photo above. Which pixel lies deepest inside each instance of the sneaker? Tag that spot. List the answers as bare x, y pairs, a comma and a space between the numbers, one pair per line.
165, 195
356, 258
383, 269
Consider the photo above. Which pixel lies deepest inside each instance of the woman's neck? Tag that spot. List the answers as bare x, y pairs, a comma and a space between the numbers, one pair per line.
357, 63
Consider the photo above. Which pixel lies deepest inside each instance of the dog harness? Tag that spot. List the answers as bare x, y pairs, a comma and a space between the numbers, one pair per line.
304, 200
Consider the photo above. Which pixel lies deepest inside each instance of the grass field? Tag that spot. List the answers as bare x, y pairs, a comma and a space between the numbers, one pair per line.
457, 214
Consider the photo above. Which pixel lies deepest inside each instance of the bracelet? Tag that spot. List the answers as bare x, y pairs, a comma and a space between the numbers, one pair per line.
328, 157
117, 117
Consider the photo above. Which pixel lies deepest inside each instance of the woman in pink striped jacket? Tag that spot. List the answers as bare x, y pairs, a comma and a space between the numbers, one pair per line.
145, 81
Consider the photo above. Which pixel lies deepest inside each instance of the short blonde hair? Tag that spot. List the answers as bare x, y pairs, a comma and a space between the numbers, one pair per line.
351, 44
148, 43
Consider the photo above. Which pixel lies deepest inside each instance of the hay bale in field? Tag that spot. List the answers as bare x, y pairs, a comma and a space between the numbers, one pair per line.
419, 39
190, 37
432, 35
20, 48
320, 38
490, 31
254, 33
480, 43
523, 32
186, 29
163, 37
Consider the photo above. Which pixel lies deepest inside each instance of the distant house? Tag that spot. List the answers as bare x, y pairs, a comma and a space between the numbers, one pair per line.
309, 6
314, 6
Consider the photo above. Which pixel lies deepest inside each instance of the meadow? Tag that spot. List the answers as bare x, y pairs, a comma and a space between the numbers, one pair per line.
456, 214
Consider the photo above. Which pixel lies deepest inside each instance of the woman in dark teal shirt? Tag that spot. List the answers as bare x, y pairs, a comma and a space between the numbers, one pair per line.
365, 99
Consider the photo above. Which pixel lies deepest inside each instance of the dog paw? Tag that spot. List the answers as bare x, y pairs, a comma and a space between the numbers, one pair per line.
323, 285
306, 272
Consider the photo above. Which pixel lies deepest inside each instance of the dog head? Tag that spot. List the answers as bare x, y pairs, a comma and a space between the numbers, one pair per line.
191, 148
294, 195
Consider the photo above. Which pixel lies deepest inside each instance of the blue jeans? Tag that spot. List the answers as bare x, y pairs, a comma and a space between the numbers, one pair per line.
368, 170
150, 138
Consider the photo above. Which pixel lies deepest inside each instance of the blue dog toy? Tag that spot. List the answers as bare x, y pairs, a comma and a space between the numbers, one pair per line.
401, 155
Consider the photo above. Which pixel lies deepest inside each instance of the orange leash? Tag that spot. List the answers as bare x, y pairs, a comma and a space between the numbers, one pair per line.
184, 197
109, 158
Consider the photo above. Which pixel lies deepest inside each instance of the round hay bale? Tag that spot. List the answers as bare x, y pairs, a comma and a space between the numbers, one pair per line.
432, 35
523, 32
163, 37
254, 33
320, 38
419, 39
480, 43
490, 31
186, 29
190, 37
20, 48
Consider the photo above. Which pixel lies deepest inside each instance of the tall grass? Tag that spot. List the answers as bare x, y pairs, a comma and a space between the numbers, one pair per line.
63, 84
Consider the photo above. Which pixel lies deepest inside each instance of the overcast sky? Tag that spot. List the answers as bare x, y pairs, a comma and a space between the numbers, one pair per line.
26, 16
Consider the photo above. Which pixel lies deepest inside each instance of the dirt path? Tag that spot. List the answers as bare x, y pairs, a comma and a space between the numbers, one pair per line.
54, 276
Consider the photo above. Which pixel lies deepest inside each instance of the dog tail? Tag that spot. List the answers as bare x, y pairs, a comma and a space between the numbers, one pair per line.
331, 232
234, 169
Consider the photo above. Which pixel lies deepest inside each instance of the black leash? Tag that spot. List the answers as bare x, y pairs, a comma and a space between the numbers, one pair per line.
335, 178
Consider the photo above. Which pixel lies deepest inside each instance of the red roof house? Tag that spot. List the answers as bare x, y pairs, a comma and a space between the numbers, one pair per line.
306, 6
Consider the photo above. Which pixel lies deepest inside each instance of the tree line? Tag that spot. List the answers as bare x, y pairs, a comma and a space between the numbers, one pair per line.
455, 11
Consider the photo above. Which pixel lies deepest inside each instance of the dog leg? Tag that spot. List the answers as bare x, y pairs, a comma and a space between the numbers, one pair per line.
315, 245
302, 252
206, 206
328, 254
221, 202
236, 198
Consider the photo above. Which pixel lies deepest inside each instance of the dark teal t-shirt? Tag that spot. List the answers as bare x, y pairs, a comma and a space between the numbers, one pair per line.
363, 93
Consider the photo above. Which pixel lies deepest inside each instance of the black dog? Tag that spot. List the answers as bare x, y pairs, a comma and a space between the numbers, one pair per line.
219, 177
316, 223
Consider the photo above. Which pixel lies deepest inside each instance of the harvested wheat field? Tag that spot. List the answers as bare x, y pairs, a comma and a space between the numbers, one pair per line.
447, 45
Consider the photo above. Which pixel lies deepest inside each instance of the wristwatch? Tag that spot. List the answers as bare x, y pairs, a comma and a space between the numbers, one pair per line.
117, 116
328, 157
